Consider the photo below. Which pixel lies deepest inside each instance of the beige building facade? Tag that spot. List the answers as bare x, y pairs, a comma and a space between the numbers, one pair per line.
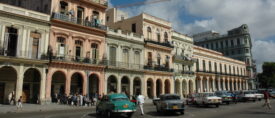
215, 72
183, 64
24, 38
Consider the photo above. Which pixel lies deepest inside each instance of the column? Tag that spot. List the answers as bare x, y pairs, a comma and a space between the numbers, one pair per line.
132, 86
223, 82
232, 84
19, 82
201, 85
180, 89
214, 85
154, 89
246, 85
68, 83
2, 34
228, 84
119, 85
43, 86
219, 83
163, 87
207, 84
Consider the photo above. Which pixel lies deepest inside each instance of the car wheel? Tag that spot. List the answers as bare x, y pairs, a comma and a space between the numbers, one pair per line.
217, 105
109, 114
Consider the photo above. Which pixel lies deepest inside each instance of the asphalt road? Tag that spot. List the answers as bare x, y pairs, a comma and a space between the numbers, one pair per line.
240, 110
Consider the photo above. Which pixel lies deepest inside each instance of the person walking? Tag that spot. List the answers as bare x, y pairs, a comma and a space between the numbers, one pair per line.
267, 99
140, 100
19, 103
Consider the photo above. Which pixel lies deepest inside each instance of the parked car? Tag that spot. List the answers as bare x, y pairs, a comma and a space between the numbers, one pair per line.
170, 103
208, 99
225, 95
247, 96
259, 96
272, 94
155, 100
115, 104
191, 99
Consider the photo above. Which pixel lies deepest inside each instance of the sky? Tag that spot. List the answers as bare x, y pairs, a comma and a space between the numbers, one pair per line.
194, 16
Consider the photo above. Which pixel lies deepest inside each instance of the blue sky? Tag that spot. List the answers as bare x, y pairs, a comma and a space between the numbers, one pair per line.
193, 16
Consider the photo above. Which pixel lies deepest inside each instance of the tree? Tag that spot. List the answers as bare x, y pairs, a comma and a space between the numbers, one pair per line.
267, 77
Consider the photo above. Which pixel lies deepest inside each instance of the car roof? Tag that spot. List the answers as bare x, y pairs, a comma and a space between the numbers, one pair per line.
116, 95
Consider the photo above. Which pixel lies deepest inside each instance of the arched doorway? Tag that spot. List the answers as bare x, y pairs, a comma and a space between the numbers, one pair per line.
93, 85
205, 85
184, 88
76, 84
158, 87
222, 84
58, 85
8, 78
31, 86
211, 89
177, 87
198, 85
217, 84
112, 84
191, 87
137, 86
150, 89
167, 86
125, 85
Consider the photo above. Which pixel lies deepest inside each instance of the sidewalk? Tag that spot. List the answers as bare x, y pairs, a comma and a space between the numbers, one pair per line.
39, 108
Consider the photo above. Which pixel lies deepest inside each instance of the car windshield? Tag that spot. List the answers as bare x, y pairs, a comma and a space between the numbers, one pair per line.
210, 94
120, 99
171, 97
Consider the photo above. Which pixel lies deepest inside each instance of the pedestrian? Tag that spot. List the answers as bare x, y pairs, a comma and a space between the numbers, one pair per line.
80, 100
19, 103
140, 100
267, 99
10, 96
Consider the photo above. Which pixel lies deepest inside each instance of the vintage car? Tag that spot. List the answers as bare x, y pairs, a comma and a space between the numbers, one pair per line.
248, 96
208, 99
225, 95
259, 96
191, 99
272, 94
170, 103
115, 104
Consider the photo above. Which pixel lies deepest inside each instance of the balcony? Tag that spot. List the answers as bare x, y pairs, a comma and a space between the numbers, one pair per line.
220, 73
74, 59
188, 72
158, 68
22, 55
165, 44
123, 65
184, 59
82, 22
101, 2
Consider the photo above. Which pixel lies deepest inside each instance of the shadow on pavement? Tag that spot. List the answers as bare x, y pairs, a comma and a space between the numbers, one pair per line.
165, 114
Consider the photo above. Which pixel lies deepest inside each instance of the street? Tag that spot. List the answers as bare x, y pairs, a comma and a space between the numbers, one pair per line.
240, 110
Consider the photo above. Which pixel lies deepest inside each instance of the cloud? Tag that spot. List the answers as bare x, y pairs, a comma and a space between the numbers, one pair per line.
220, 15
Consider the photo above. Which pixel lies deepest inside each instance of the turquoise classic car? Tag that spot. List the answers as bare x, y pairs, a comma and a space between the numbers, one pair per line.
115, 104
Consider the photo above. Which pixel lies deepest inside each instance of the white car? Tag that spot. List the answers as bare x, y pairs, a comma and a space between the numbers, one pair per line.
258, 96
208, 99
248, 96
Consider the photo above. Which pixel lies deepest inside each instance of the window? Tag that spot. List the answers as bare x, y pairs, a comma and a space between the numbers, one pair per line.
198, 65
63, 7
165, 37
150, 60
211, 46
158, 35
203, 64
225, 69
207, 46
137, 57
221, 44
229, 69
232, 43
149, 33
215, 67
78, 42
61, 46
210, 66
134, 27
246, 50
94, 51
125, 56
167, 61
107, 18
35, 44
112, 55
226, 43
78, 48
238, 41
217, 45
158, 59
232, 52
220, 68
80, 15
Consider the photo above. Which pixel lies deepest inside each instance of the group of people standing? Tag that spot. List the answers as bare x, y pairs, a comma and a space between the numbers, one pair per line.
75, 99
12, 100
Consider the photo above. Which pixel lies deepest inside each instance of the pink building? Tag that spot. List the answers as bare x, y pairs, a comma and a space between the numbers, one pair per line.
76, 47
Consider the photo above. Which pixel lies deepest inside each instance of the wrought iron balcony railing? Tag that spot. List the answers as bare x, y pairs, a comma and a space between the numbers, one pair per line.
166, 44
82, 22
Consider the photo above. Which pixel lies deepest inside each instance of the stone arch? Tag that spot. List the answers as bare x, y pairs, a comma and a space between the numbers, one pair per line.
167, 86
94, 84
112, 82
150, 88
31, 86
8, 81
77, 83
137, 86
158, 87
125, 85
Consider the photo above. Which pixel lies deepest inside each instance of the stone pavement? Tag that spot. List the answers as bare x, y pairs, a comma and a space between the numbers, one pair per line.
39, 108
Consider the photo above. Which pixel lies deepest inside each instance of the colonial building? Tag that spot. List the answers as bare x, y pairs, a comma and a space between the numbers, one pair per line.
24, 38
158, 74
125, 55
217, 72
183, 64
235, 44
77, 41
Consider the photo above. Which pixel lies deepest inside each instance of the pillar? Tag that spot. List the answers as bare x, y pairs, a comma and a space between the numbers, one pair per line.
19, 82
201, 85
43, 86
68, 83
181, 89
132, 86
207, 84
118, 85
154, 89
214, 85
